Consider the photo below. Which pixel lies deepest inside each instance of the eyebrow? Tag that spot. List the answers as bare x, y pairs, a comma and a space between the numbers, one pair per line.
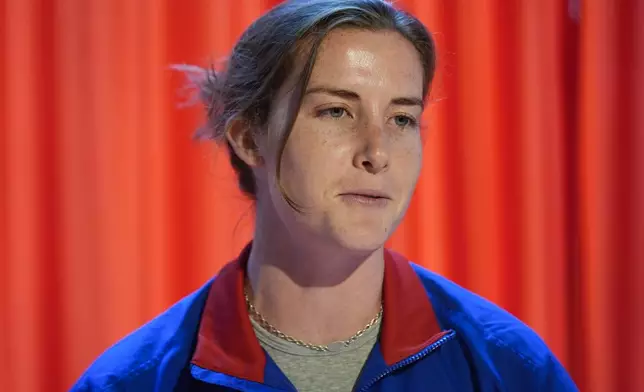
353, 96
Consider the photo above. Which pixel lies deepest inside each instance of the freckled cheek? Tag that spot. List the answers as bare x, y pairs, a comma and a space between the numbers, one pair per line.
319, 144
310, 163
408, 159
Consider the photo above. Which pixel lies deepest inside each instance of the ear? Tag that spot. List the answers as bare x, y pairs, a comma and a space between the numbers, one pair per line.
242, 139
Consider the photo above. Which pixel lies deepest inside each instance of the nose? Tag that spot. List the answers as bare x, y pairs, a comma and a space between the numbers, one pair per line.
373, 154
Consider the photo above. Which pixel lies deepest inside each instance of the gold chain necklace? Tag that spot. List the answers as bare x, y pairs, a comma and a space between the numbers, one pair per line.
316, 347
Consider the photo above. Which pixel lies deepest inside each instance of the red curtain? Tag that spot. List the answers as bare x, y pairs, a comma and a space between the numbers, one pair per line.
532, 193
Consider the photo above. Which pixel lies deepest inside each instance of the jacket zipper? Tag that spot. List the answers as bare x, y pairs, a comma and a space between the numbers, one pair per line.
409, 360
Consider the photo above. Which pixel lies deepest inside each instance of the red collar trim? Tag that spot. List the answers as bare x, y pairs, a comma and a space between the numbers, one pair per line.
409, 324
227, 342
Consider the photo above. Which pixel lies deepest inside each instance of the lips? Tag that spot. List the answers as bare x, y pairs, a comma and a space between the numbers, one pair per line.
366, 198
368, 193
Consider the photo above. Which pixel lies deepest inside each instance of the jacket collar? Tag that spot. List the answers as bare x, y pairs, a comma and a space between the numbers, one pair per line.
226, 342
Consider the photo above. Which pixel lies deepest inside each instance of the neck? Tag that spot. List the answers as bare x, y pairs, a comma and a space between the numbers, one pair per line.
317, 294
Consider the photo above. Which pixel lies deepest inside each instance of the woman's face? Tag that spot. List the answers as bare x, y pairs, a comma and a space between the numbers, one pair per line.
354, 154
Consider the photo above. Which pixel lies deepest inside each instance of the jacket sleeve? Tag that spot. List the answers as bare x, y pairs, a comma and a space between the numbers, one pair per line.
553, 377
86, 385
523, 373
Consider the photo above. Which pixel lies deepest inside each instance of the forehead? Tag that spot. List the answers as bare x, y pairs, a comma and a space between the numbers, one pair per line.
361, 58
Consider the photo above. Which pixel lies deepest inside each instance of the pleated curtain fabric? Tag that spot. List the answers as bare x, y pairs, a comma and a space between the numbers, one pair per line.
532, 191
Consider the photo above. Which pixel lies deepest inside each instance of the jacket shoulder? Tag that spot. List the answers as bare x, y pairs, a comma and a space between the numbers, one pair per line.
511, 351
154, 353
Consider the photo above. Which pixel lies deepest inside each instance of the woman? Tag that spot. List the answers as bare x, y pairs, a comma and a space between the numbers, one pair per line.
319, 107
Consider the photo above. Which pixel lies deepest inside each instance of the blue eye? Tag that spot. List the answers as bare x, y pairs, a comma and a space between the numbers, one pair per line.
404, 121
336, 112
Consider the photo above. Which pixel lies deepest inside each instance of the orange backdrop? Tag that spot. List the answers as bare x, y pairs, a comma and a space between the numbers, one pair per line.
532, 192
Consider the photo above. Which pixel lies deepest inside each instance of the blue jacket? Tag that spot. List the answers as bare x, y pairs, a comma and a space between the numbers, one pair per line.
435, 336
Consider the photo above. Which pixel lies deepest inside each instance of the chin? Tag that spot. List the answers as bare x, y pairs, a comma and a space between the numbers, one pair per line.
362, 241
360, 233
